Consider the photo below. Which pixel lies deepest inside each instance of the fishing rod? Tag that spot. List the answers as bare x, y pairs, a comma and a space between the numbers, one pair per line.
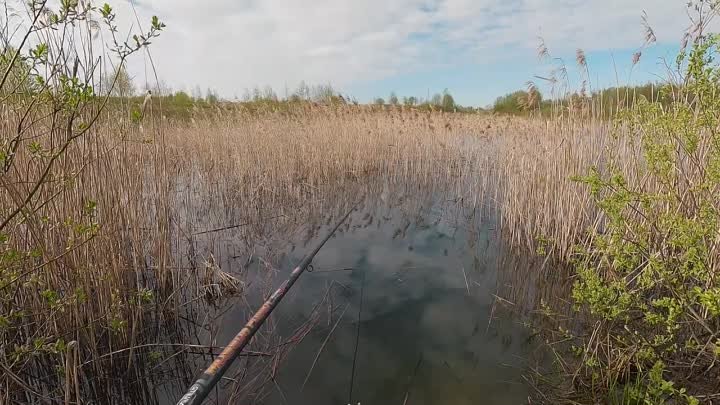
197, 392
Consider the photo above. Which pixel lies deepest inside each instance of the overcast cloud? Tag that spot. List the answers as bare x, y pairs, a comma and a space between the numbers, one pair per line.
230, 45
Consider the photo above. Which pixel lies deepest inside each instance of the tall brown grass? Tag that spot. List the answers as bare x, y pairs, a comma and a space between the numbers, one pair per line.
113, 255
164, 194
129, 230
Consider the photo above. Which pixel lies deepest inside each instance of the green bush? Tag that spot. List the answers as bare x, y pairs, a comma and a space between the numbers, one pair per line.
648, 278
517, 102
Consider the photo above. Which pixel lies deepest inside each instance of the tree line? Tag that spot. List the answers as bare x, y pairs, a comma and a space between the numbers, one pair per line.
605, 102
443, 101
320, 93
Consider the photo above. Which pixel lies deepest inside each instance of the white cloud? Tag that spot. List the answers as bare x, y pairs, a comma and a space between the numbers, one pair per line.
230, 45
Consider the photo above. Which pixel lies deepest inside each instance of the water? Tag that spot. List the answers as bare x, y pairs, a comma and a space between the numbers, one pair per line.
430, 329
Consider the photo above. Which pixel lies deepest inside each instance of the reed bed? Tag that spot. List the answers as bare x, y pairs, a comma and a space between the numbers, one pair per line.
147, 228
611, 227
155, 222
121, 262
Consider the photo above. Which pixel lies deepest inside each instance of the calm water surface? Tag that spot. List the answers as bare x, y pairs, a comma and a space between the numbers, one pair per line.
413, 315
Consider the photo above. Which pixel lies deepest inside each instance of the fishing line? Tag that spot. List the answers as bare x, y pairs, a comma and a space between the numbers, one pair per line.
357, 339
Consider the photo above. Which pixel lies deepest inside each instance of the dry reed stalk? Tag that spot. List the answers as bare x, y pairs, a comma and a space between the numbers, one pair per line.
144, 194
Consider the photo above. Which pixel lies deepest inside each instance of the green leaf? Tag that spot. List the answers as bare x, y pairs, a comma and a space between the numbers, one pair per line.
106, 10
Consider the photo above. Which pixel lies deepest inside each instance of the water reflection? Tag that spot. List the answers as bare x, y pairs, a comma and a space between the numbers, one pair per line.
428, 272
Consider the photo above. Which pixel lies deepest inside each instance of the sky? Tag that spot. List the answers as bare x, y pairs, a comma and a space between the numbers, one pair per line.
477, 49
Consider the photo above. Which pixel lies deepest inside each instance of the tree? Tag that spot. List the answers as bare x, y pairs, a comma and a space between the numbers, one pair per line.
269, 94
119, 83
531, 99
436, 99
323, 93
303, 91
197, 93
379, 101
393, 99
211, 96
246, 97
510, 103
18, 79
448, 102
410, 101
159, 89
256, 94
182, 98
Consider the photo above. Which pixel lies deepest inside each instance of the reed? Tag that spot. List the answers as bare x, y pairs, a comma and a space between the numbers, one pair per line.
125, 241
114, 232
628, 210
152, 206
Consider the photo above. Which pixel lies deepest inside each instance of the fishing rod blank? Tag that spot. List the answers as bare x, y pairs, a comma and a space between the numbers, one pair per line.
200, 390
